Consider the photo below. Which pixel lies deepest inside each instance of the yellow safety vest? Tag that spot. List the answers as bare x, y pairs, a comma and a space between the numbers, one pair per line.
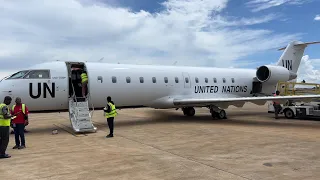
113, 112
3, 121
23, 108
84, 77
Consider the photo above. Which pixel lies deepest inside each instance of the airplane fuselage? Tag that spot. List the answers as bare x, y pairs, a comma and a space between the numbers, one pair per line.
128, 85
57, 86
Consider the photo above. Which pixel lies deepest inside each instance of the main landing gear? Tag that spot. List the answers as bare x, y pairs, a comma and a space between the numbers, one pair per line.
215, 112
188, 111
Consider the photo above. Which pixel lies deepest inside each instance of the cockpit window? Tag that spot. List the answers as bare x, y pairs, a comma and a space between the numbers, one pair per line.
18, 75
38, 74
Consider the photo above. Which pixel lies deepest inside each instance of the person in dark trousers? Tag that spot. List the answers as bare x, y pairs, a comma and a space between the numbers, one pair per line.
25, 130
5, 121
19, 123
276, 105
110, 114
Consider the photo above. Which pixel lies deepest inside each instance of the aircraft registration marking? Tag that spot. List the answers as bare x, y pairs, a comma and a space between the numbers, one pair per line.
59, 77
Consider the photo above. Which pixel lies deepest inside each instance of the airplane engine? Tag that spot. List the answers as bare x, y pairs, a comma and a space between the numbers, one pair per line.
274, 74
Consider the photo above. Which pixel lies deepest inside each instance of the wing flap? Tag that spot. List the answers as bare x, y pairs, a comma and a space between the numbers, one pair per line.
239, 101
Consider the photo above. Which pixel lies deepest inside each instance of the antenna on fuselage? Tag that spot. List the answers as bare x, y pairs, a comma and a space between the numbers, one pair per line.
100, 59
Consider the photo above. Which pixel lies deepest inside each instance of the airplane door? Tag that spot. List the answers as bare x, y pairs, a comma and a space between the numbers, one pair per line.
186, 80
256, 87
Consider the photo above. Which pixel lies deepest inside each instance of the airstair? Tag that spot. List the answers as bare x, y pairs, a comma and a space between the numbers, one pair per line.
80, 116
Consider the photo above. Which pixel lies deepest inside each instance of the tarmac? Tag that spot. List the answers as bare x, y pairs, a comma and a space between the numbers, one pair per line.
164, 144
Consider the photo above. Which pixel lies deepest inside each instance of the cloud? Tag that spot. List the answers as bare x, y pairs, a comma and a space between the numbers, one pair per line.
192, 32
309, 70
258, 5
317, 18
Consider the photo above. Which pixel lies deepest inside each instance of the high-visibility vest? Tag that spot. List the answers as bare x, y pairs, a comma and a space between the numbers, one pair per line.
113, 112
3, 121
84, 77
23, 108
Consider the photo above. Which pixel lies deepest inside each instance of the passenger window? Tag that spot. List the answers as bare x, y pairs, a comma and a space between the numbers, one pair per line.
206, 80
176, 79
154, 79
187, 80
215, 80
165, 79
128, 79
141, 80
99, 78
224, 80
197, 80
114, 79
232, 79
38, 74
18, 75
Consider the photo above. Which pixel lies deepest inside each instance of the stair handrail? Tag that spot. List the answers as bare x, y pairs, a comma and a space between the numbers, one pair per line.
89, 100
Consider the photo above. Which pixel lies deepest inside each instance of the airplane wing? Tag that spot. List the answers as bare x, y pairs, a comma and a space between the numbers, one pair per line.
239, 101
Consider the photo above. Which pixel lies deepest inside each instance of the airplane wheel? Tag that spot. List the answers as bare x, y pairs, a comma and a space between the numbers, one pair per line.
222, 114
288, 113
214, 115
190, 111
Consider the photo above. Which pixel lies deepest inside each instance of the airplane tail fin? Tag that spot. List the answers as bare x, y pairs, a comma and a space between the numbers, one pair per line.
292, 55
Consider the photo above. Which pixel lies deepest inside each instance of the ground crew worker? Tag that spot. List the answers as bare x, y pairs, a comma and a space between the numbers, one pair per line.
5, 120
84, 82
110, 113
25, 130
276, 105
19, 123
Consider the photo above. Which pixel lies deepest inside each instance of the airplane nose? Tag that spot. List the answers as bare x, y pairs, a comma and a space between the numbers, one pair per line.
2, 95
4, 92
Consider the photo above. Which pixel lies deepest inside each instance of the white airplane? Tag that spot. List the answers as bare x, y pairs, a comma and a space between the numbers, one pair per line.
50, 86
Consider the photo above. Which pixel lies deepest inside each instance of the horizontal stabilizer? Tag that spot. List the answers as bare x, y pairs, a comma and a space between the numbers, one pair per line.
298, 44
